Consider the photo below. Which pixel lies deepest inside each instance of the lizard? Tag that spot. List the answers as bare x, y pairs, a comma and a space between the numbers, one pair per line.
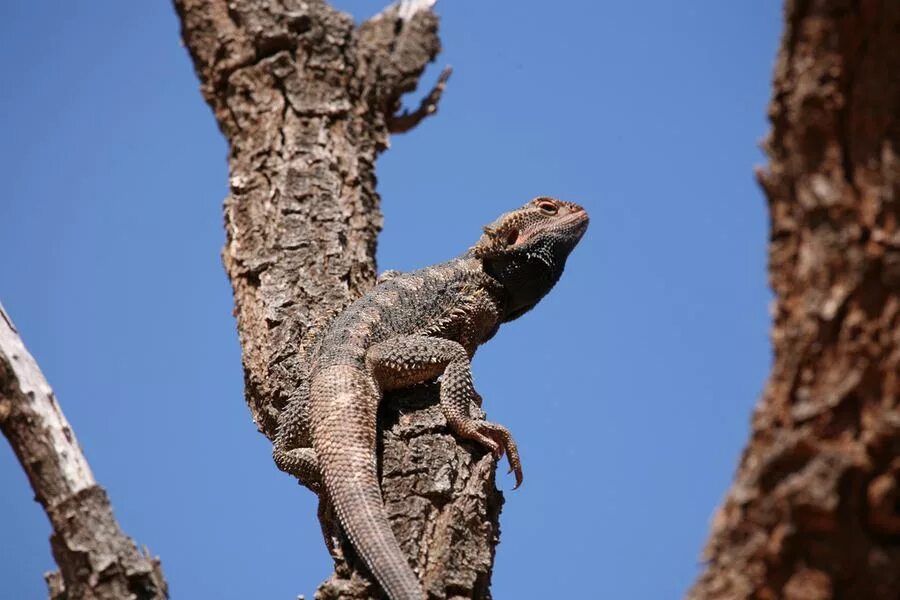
411, 328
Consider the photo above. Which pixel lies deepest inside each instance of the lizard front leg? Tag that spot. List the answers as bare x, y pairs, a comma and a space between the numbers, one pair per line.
407, 360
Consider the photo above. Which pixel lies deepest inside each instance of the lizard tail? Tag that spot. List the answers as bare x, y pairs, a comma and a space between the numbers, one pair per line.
344, 411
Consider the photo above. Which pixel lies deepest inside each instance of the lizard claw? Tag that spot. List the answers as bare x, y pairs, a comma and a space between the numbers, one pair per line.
498, 440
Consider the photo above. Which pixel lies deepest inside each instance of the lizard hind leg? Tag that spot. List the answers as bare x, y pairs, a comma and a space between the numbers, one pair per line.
407, 360
302, 463
292, 450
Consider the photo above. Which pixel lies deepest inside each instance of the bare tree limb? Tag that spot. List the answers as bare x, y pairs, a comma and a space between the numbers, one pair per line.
305, 99
96, 559
814, 512
404, 122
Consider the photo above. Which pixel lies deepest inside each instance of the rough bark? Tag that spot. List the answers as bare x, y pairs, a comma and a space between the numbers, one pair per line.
307, 100
97, 560
814, 512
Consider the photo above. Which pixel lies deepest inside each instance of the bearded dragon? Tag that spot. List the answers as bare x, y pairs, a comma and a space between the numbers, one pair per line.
411, 328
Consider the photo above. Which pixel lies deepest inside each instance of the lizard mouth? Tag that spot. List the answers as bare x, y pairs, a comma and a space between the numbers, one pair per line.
576, 222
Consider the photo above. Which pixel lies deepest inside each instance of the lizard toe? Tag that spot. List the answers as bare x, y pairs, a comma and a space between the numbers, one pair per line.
499, 440
493, 447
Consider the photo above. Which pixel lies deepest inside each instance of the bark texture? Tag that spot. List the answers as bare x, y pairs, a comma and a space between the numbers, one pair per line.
814, 512
307, 100
97, 560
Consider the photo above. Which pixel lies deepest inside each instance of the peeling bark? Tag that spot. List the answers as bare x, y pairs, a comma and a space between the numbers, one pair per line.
97, 560
307, 101
814, 512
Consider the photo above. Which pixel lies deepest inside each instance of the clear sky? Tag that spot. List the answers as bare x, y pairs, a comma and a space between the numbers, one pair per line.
629, 389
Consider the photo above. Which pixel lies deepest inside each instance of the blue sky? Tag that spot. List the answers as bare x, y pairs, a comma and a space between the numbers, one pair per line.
629, 389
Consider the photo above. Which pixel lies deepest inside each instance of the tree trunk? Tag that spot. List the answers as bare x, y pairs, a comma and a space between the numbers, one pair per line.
96, 560
814, 512
307, 101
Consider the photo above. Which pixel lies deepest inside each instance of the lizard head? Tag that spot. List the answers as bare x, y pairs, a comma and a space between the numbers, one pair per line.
526, 249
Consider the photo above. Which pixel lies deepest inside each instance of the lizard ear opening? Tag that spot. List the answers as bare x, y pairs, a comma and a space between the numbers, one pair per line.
496, 241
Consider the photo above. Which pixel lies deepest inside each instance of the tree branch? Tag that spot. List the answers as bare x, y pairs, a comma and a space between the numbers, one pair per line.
404, 122
813, 513
95, 558
305, 99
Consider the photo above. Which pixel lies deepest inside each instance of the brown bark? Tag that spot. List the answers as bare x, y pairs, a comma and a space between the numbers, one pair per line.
307, 101
97, 561
814, 512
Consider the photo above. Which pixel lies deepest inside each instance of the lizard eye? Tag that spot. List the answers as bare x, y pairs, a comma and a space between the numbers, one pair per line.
547, 207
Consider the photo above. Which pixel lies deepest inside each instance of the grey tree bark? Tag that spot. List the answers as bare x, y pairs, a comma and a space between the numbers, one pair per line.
307, 100
97, 561
814, 512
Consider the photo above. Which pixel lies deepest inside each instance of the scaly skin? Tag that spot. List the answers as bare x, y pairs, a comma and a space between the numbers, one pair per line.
411, 328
